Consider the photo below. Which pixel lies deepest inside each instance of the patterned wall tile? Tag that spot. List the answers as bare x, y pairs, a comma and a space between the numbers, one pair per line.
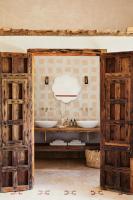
94, 69
59, 60
41, 61
86, 106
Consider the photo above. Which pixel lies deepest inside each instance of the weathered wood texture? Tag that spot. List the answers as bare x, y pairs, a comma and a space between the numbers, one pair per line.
117, 121
66, 52
80, 32
15, 123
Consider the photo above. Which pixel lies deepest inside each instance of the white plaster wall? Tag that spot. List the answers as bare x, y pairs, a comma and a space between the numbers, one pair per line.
66, 14
22, 43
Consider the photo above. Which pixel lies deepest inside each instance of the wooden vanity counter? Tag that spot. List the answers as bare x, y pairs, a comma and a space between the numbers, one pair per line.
69, 129
46, 147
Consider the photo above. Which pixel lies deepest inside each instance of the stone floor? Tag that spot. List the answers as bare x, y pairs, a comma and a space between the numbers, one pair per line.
61, 164
65, 180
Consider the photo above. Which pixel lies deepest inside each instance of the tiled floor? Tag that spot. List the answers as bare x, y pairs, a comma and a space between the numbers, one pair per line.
65, 180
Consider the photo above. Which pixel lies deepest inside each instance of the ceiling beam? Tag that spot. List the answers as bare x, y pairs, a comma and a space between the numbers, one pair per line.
28, 32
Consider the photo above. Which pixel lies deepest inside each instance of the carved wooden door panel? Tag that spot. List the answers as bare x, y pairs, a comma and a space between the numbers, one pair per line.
15, 123
117, 121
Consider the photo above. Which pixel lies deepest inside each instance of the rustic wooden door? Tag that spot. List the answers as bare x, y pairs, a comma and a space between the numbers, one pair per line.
117, 121
15, 122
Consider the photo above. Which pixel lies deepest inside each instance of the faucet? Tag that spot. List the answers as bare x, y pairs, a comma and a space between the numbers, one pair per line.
45, 109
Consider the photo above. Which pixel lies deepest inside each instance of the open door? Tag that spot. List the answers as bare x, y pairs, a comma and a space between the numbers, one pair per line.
15, 122
117, 121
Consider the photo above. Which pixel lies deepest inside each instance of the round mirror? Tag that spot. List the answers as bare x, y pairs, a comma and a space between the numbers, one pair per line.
66, 88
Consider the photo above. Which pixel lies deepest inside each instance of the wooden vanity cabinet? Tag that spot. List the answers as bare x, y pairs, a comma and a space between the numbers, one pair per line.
66, 130
117, 121
15, 123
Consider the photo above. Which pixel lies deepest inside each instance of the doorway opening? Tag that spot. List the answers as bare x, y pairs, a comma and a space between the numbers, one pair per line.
65, 145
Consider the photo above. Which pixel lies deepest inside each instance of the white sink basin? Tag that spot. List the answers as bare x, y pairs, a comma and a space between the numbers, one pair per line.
45, 124
88, 124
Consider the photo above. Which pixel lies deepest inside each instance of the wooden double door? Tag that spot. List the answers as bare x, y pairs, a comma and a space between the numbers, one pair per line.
117, 121
15, 122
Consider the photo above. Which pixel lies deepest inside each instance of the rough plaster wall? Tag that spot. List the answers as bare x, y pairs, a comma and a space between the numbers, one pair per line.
66, 14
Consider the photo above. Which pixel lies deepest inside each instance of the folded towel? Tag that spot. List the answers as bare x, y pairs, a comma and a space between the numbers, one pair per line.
58, 141
58, 144
74, 144
76, 141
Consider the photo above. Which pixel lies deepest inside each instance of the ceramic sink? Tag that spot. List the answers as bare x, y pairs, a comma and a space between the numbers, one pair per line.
88, 123
45, 123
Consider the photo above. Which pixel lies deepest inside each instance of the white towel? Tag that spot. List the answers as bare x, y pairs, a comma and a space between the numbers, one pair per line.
76, 143
63, 144
58, 142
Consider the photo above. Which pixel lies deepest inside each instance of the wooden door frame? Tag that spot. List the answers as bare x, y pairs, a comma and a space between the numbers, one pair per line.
64, 52
56, 52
